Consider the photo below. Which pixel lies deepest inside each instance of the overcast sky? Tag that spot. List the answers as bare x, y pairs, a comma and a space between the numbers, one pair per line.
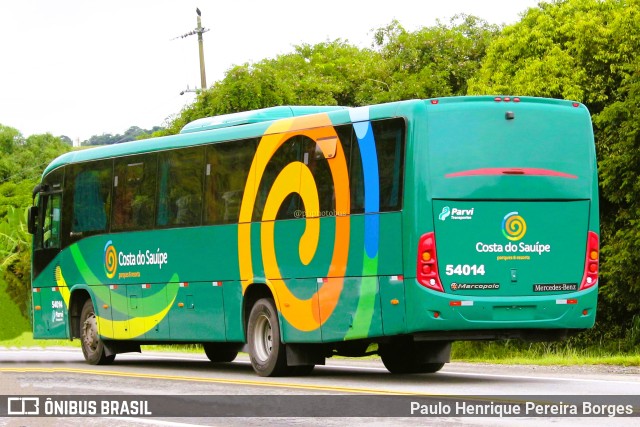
87, 67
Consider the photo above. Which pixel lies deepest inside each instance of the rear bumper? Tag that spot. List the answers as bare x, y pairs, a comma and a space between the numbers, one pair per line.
494, 317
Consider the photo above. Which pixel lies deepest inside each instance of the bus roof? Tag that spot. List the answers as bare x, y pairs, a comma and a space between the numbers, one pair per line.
252, 124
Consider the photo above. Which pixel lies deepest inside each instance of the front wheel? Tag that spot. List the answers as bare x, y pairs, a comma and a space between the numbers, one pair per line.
92, 346
266, 350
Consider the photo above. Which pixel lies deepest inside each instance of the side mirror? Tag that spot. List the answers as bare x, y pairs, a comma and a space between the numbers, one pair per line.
32, 219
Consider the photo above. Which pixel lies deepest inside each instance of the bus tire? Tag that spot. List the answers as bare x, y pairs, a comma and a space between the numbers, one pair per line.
219, 352
266, 351
92, 346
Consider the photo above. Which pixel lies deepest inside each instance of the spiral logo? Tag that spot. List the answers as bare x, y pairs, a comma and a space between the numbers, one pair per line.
296, 177
514, 226
110, 260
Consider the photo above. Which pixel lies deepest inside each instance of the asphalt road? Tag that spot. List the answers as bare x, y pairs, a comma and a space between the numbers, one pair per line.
54, 372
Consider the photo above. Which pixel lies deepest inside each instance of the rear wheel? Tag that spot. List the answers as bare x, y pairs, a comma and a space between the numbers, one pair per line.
267, 352
221, 352
92, 346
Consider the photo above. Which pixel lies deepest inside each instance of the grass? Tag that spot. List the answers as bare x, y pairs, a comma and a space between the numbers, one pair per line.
548, 354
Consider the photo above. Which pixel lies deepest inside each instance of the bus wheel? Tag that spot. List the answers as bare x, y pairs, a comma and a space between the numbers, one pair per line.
401, 359
267, 352
92, 346
219, 352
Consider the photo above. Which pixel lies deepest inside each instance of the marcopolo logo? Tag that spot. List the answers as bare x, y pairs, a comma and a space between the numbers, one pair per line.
110, 260
514, 227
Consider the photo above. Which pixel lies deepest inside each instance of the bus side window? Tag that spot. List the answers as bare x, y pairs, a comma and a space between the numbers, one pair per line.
227, 172
180, 187
51, 223
389, 137
134, 192
87, 200
354, 163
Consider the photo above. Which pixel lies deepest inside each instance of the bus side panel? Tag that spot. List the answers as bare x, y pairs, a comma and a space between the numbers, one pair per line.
153, 298
392, 304
232, 301
289, 332
198, 313
50, 317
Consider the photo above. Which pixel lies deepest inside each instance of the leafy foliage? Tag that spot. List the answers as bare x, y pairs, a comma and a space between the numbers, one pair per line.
15, 244
21, 164
131, 134
587, 50
430, 62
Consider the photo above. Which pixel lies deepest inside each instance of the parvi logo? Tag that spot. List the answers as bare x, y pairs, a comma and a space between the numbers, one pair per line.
445, 213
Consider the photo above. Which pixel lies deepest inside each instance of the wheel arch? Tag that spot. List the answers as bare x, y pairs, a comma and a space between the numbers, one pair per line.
77, 300
252, 294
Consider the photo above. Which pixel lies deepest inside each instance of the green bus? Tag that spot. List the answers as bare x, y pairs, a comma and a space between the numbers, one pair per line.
306, 232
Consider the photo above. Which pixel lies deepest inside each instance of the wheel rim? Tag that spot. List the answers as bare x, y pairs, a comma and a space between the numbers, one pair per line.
90, 334
263, 338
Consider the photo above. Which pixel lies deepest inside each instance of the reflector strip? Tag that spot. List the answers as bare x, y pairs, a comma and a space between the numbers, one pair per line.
55, 289
146, 286
113, 287
184, 284
397, 278
567, 301
36, 290
216, 283
461, 303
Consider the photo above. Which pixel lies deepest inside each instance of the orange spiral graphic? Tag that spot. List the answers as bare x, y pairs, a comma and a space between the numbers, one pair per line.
110, 260
308, 314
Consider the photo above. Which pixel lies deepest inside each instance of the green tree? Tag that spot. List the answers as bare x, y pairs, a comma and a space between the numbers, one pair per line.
15, 244
587, 50
571, 49
429, 62
620, 180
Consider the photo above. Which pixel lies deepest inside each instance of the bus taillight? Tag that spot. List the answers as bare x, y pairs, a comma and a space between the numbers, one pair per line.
590, 276
427, 267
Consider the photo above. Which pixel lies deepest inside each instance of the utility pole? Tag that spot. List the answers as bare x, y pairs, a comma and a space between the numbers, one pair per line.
199, 30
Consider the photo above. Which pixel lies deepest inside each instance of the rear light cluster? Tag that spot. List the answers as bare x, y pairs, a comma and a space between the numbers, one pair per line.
590, 276
427, 272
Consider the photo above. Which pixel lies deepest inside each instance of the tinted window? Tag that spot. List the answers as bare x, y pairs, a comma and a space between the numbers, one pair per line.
180, 185
88, 197
313, 157
50, 208
388, 156
134, 192
289, 151
389, 137
227, 171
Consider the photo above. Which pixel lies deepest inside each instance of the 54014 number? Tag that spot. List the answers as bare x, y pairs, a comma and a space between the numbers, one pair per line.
464, 270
